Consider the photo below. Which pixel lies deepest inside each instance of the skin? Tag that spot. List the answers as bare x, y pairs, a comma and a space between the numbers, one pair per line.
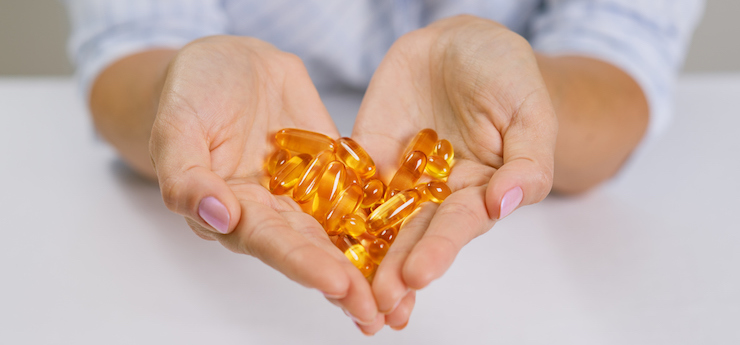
515, 118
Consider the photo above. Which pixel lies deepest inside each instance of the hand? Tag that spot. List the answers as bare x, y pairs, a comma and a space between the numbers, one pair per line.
478, 85
222, 101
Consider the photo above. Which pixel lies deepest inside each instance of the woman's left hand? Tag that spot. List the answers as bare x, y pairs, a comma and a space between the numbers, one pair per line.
479, 86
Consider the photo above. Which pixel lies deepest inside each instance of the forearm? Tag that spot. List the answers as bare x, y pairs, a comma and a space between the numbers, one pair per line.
124, 100
602, 116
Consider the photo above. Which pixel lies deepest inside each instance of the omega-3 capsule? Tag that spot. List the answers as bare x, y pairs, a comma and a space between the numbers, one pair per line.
355, 157
437, 168
303, 141
308, 182
287, 176
276, 160
424, 141
444, 149
356, 253
407, 175
346, 203
393, 211
329, 185
437, 191
373, 192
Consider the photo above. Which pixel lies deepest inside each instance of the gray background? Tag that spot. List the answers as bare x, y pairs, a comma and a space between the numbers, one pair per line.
33, 36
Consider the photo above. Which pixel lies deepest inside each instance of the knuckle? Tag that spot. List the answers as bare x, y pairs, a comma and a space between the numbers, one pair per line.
173, 192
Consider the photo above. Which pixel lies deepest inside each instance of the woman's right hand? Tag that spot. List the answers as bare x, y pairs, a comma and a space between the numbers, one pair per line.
223, 100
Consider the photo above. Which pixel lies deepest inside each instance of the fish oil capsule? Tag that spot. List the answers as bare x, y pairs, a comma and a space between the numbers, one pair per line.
407, 175
352, 177
437, 191
437, 168
388, 235
308, 182
330, 184
355, 157
303, 141
376, 247
353, 225
287, 176
356, 253
424, 141
444, 149
373, 192
422, 189
346, 203
393, 211
276, 160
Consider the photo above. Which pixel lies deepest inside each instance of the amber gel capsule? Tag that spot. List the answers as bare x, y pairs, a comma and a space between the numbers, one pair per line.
424, 141
437, 191
287, 176
407, 175
388, 235
308, 182
347, 202
303, 141
355, 157
329, 185
393, 211
353, 225
373, 192
437, 168
444, 149
356, 253
376, 247
276, 160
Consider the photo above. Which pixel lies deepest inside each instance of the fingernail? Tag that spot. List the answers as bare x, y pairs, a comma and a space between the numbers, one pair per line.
332, 296
510, 201
362, 330
214, 213
356, 320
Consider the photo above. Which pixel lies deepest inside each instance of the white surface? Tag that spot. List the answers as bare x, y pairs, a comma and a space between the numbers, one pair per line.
90, 255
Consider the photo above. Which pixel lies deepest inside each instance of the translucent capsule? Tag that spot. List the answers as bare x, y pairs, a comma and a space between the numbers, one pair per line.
287, 176
276, 160
373, 192
329, 185
346, 203
352, 177
437, 191
393, 211
308, 182
376, 247
407, 175
437, 168
356, 253
355, 157
424, 141
388, 235
303, 141
444, 149
353, 225
422, 189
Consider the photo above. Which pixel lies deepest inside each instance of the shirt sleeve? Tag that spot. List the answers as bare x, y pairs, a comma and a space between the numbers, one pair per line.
106, 31
646, 39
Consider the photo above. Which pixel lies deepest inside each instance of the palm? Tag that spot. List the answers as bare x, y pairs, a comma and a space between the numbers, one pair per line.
472, 88
260, 91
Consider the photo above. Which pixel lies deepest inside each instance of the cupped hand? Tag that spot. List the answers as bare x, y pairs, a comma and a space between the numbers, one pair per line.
223, 100
478, 85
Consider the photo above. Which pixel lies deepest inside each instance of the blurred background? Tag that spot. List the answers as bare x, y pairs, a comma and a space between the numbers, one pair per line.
33, 36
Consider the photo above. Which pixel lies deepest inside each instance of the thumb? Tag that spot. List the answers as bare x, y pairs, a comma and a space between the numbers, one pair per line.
182, 160
529, 152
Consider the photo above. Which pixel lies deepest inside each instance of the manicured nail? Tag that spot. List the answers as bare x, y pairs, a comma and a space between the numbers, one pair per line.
510, 201
214, 213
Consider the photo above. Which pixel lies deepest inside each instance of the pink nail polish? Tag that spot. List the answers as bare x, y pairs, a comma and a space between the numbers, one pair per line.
510, 201
214, 213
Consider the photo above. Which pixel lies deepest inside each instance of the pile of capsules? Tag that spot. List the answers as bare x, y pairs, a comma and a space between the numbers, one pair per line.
335, 181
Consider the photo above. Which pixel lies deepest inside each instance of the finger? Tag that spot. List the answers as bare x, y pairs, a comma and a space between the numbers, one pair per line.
399, 318
389, 286
182, 160
266, 235
459, 219
372, 328
529, 152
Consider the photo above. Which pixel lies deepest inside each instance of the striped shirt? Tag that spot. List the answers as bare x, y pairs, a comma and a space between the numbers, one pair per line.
342, 42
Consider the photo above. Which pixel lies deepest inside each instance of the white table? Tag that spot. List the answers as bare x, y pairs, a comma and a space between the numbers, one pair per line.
90, 255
